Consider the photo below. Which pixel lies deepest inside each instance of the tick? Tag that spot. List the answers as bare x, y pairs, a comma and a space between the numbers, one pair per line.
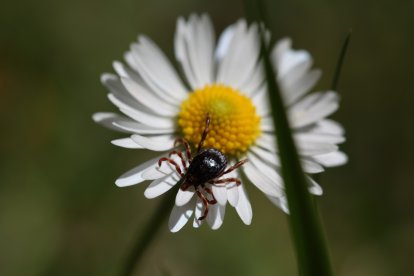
207, 166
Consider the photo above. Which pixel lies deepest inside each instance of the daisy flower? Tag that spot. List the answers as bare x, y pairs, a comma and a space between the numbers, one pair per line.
227, 82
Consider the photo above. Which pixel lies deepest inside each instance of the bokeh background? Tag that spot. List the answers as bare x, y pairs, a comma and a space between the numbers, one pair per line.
60, 212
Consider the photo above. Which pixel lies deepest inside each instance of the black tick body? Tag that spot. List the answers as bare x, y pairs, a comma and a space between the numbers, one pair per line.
207, 165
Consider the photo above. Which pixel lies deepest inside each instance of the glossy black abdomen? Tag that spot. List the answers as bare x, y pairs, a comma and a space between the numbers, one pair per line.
206, 166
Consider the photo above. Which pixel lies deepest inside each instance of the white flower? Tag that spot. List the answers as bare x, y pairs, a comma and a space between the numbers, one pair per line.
227, 82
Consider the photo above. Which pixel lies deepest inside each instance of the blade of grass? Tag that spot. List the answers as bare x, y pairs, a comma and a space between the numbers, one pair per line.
337, 74
311, 252
340, 61
151, 230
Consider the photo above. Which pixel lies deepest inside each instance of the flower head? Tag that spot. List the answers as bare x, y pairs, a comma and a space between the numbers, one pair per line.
225, 81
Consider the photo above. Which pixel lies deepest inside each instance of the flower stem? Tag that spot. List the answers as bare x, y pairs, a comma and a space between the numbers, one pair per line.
309, 241
149, 233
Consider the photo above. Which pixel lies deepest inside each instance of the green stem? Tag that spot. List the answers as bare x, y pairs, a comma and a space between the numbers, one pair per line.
150, 232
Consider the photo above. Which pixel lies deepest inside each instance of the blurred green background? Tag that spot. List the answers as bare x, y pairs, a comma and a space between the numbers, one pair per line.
60, 211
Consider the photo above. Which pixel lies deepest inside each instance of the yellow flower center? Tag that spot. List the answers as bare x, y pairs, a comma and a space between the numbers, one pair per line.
234, 124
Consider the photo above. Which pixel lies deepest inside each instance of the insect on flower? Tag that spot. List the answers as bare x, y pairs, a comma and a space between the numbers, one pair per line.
207, 166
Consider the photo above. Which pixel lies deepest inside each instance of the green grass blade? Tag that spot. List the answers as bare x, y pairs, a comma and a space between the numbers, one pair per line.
305, 226
340, 61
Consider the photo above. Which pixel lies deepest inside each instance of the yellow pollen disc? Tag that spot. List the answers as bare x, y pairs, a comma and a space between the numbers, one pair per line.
234, 124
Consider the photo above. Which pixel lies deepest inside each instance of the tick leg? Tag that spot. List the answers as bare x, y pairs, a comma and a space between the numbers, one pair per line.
187, 147
205, 203
205, 132
225, 181
209, 191
185, 186
172, 162
180, 155
235, 166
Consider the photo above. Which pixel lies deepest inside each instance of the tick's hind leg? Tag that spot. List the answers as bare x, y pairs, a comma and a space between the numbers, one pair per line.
210, 192
172, 162
205, 204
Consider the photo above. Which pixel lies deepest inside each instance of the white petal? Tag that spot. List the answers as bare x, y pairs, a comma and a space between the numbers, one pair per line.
255, 81
215, 216
296, 65
298, 81
245, 60
281, 47
134, 127
180, 216
328, 126
269, 172
268, 156
158, 143
147, 98
293, 73
261, 101
310, 166
266, 124
314, 188
311, 137
267, 141
311, 149
237, 66
232, 193
224, 42
289, 59
155, 173
125, 72
181, 51
134, 176
139, 107
280, 202
332, 159
293, 89
306, 112
156, 70
134, 76
194, 42
126, 143
220, 193
233, 196
183, 197
161, 185
244, 208
260, 180
225, 75
115, 87
107, 118
149, 119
